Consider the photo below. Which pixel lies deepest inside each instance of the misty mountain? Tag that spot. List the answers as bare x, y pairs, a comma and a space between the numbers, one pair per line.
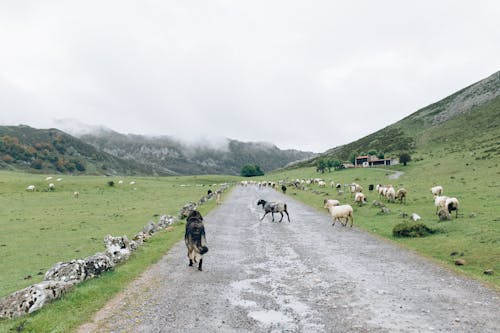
52, 150
469, 115
166, 154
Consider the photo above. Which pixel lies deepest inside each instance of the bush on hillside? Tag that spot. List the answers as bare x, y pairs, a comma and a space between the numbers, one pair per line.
412, 229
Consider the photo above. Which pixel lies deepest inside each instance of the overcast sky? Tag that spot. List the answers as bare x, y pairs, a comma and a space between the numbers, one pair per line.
309, 75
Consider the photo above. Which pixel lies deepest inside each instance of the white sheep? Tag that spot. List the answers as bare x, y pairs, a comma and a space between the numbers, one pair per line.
76, 194
390, 194
354, 188
52, 187
59, 179
30, 188
321, 183
437, 190
342, 213
359, 198
415, 217
440, 202
451, 204
330, 203
48, 178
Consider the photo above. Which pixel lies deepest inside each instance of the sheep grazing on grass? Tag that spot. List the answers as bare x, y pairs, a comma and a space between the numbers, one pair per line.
359, 198
76, 194
330, 203
451, 204
401, 195
440, 202
30, 188
437, 190
52, 187
390, 194
354, 188
343, 213
273, 207
381, 190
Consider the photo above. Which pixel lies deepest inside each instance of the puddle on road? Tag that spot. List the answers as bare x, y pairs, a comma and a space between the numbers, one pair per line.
269, 317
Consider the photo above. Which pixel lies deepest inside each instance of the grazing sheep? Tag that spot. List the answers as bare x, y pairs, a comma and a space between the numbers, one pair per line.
437, 190
273, 207
283, 189
330, 203
359, 198
52, 187
338, 186
390, 194
195, 238
48, 178
371, 187
76, 194
30, 188
440, 202
342, 213
401, 195
321, 183
381, 190
354, 188
451, 204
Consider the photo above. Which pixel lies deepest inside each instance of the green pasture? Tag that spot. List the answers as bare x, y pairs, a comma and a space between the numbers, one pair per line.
474, 236
41, 228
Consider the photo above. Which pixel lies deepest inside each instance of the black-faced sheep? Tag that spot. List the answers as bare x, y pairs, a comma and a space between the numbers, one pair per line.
451, 204
343, 213
273, 207
195, 238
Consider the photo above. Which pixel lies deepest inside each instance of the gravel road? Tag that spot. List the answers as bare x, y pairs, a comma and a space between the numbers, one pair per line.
303, 276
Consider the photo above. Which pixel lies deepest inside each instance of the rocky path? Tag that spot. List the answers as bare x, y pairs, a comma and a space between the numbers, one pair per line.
303, 276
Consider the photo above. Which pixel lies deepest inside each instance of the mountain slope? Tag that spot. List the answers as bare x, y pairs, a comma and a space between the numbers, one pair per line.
470, 115
51, 150
166, 154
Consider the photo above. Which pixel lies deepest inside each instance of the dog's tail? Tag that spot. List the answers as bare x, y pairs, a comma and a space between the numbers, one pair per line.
203, 249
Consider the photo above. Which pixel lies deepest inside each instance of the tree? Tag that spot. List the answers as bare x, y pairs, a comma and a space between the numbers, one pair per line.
337, 165
404, 158
251, 170
330, 164
320, 165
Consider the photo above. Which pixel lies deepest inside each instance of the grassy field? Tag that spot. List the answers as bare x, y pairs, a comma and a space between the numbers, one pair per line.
474, 236
42, 228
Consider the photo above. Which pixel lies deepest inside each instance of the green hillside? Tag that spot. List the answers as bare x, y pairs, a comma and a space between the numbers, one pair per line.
468, 119
53, 151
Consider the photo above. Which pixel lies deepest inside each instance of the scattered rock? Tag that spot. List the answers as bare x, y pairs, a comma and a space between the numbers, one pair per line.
377, 203
472, 215
32, 298
150, 228
488, 272
166, 220
415, 217
460, 262
96, 264
117, 248
169, 229
73, 271
403, 215
454, 253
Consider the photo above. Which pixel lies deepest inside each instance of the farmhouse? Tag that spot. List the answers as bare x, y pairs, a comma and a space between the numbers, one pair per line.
371, 160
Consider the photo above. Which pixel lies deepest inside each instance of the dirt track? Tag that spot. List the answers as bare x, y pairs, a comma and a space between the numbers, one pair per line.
303, 276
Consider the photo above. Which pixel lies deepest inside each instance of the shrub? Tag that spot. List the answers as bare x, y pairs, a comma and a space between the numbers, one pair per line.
411, 229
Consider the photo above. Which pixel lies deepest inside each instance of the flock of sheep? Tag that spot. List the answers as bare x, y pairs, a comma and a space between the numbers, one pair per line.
344, 212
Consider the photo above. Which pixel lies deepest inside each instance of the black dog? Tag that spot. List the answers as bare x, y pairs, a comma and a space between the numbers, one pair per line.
195, 238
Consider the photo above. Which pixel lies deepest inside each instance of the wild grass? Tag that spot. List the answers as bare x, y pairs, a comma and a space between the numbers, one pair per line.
39, 229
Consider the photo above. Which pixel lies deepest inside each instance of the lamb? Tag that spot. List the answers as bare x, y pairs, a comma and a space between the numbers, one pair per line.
437, 190
330, 203
401, 195
342, 213
359, 198
451, 204
30, 188
273, 207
